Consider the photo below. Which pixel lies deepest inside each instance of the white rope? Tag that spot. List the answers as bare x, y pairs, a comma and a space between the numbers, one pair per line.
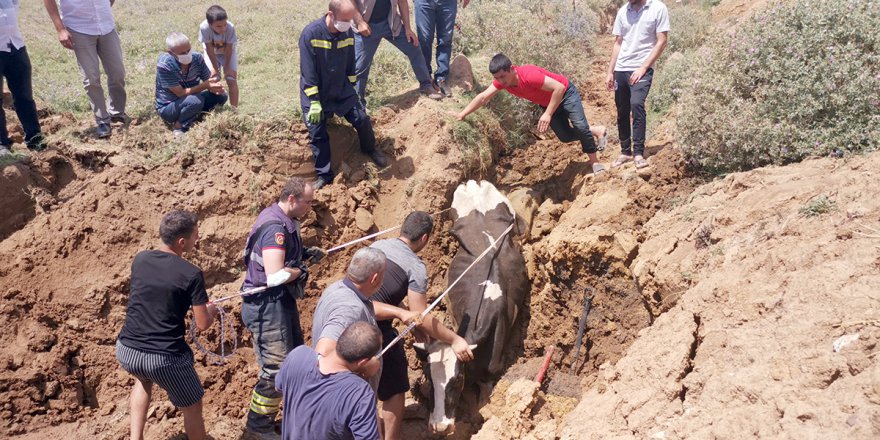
412, 325
225, 326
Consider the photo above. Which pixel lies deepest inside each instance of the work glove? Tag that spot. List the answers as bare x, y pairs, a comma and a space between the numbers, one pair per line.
314, 254
316, 112
304, 271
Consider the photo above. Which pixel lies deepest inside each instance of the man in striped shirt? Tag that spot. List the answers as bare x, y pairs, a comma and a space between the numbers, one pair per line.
184, 86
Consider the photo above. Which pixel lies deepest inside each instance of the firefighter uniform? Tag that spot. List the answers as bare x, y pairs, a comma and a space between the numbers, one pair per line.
327, 75
271, 316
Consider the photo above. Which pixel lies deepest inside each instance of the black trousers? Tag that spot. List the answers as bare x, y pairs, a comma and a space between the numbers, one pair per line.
631, 99
15, 67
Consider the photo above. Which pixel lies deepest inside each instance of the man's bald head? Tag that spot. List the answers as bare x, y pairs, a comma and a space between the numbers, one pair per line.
342, 9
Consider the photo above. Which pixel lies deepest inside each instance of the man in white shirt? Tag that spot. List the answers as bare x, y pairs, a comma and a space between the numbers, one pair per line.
87, 27
15, 67
640, 31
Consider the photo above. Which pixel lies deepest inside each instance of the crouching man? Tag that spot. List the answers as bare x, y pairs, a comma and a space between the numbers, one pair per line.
326, 396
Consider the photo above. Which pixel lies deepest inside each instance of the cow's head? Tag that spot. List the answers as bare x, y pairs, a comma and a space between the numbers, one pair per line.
447, 382
482, 213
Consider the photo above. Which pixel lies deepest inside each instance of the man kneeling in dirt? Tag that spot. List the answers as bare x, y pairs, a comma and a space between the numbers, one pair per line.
406, 277
151, 345
327, 78
563, 110
326, 397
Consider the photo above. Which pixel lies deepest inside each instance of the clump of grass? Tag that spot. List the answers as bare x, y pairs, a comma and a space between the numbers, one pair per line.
12, 158
817, 206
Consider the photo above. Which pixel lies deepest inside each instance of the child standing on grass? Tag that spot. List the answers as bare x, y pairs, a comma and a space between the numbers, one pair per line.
218, 38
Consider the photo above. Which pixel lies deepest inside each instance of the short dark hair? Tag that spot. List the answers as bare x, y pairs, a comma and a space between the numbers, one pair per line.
360, 340
296, 186
215, 13
499, 62
177, 224
416, 224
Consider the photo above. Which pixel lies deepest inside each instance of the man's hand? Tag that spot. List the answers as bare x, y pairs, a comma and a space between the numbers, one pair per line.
213, 310
214, 86
637, 75
544, 122
364, 29
409, 317
316, 112
65, 39
462, 350
609, 81
314, 254
455, 115
411, 37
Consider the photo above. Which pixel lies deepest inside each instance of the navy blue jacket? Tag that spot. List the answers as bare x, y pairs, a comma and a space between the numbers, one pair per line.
326, 65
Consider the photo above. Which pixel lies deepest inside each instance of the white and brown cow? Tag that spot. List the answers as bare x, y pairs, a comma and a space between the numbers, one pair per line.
485, 303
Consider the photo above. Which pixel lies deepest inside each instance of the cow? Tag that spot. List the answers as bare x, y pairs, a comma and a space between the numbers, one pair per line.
485, 303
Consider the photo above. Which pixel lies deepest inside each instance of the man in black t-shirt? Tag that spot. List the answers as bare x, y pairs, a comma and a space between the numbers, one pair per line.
151, 345
406, 277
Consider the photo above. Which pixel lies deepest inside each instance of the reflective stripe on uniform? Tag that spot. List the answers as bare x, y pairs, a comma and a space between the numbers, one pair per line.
263, 409
352, 78
256, 258
345, 43
323, 44
264, 405
311, 90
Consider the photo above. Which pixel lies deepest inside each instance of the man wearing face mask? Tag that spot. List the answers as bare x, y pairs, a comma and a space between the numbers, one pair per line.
184, 87
327, 69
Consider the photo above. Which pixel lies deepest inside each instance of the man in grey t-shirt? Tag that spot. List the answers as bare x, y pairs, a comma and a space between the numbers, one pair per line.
640, 31
348, 301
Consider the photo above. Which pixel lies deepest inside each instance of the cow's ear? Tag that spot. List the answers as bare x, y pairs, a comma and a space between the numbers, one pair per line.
419, 345
472, 347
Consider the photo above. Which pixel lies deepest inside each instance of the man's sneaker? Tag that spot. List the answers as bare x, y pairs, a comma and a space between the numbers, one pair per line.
122, 118
431, 93
178, 133
4, 151
103, 130
320, 181
36, 143
379, 158
444, 88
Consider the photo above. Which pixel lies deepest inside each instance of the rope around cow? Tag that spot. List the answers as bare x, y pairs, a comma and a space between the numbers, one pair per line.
416, 322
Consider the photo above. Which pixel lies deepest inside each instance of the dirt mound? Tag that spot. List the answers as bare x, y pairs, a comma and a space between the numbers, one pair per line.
764, 271
66, 294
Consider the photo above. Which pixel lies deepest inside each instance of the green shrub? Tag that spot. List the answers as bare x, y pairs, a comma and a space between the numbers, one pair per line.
799, 79
690, 27
669, 82
548, 33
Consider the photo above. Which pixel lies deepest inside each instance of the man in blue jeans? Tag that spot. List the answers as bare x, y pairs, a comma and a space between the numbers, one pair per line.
15, 67
184, 86
437, 17
388, 19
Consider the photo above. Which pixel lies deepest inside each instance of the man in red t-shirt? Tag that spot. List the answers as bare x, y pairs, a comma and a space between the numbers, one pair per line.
563, 111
